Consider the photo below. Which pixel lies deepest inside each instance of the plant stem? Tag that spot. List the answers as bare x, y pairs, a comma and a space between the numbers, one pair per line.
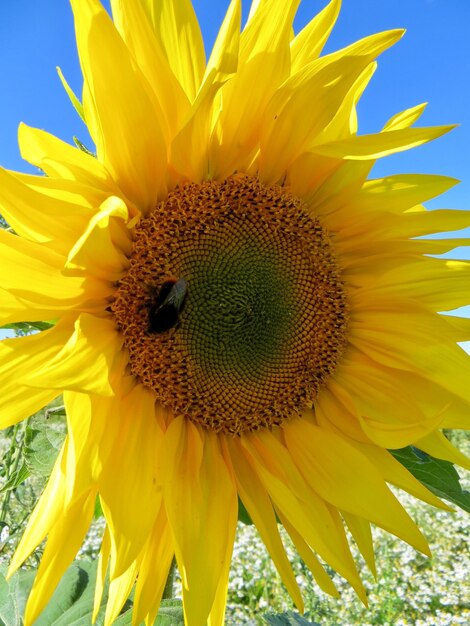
11, 461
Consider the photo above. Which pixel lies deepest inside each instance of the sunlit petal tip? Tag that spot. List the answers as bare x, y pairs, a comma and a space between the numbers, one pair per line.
400, 32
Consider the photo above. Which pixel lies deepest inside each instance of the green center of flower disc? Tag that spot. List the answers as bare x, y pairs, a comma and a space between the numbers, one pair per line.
233, 310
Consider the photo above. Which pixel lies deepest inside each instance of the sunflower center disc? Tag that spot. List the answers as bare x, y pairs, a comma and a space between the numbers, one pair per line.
233, 310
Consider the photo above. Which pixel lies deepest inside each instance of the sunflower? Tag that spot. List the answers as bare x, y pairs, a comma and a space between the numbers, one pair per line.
239, 312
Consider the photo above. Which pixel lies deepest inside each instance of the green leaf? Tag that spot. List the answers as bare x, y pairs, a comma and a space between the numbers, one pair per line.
16, 478
26, 328
13, 596
98, 512
72, 602
125, 619
438, 476
43, 440
77, 105
170, 613
243, 515
288, 619
81, 146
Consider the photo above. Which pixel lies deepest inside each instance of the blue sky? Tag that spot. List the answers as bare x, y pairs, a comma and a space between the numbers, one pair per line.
431, 64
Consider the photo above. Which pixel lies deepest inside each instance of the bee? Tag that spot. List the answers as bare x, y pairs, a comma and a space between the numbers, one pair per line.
165, 309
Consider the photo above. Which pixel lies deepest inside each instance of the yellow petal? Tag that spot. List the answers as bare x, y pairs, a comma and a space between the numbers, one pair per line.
59, 159
400, 192
119, 590
313, 518
445, 365
194, 164
370, 47
67, 191
20, 356
329, 88
26, 268
101, 569
223, 61
308, 44
63, 543
201, 504
442, 246
308, 172
358, 256
133, 24
253, 8
325, 83
381, 144
410, 318
439, 284
345, 122
414, 224
177, 31
37, 216
18, 308
85, 362
335, 193
406, 118
263, 64
458, 327
347, 479
153, 571
335, 410
130, 487
12, 310
457, 419
388, 420
437, 445
96, 252
310, 559
361, 532
395, 473
46, 513
268, 30
457, 415
285, 132
217, 612
18, 402
136, 160
256, 501
91, 432
392, 226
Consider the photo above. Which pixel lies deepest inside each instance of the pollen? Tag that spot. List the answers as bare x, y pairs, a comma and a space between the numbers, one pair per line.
262, 322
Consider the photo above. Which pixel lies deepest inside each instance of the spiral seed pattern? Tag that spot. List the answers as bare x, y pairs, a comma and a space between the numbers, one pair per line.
264, 321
